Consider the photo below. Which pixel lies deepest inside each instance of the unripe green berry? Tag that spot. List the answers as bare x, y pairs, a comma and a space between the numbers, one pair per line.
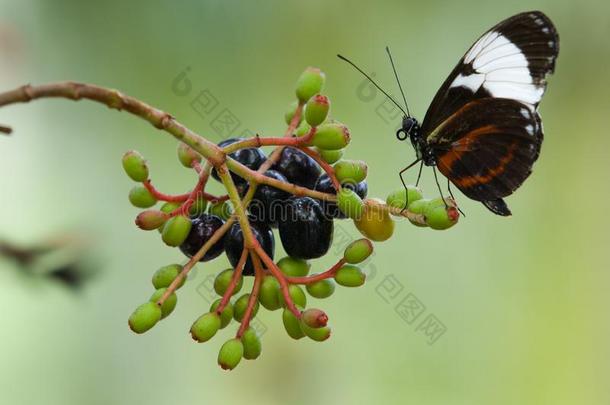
169, 304
223, 279
294, 267
439, 216
316, 334
375, 223
350, 276
351, 171
303, 129
168, 208
398, 198
230, 354
222, 210
239, 309
331, 136
175, 230
166, 275
187, 155
205, 327
144, 317
317, 109
358, 251
296, 293
268, 294
140, 197
135, 166
226, 316
252, 344
309, 83
321, 289
198, 206
330, 156
418, 207
350, 203
314, 318
289, 114
151, 219
292, 324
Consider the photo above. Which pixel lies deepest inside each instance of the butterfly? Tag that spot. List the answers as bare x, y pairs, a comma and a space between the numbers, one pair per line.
483, 130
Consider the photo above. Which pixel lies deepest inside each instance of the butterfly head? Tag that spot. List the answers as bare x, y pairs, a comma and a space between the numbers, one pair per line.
410, 129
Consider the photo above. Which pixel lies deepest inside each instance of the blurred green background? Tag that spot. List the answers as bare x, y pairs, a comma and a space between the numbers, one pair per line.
523, 300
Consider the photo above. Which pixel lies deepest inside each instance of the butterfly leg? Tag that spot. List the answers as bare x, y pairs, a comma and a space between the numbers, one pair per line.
421, 166
453, 197
405, 184
438, 185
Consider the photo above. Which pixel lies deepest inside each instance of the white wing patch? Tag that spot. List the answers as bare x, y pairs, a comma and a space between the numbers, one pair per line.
501, 68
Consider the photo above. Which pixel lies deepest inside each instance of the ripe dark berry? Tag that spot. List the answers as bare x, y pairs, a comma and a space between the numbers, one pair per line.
253, 158
202, 229
325, 185
268, 202
297, 167
306, 233
234, 244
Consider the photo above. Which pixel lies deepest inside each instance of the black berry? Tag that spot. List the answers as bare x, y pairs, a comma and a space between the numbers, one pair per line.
325, 185
268, 203
234, 244
306, 233
202, 229
253, 158
298, 168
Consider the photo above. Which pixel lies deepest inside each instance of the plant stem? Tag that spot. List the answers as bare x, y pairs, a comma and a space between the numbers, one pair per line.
258, 278
226, 297
317, 277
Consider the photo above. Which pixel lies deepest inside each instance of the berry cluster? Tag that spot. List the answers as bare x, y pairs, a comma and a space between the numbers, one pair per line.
300, 188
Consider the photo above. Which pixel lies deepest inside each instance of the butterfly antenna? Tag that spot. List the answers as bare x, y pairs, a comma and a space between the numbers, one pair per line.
374, 83
387, 48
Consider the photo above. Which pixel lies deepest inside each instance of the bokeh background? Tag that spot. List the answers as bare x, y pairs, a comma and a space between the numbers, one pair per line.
522, 301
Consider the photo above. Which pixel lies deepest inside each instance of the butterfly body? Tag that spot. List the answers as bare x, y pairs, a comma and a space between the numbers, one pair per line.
482, 129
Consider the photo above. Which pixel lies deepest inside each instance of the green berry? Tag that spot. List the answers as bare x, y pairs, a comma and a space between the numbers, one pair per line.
321, 289
292, 324
350, 203
398, 198
330, 156
268, 294
205, 327
350, 276
294, 267
135, 166
358, 251
198, 207
166, 275
303, 129
331, 136
226, 316
239, 309
375, 223
144, 317
252, 344
140, 197
222, 209
440, 217
316, 334
296, 293
289, 114
176, 230
418, 207
151, 219
309, 83
317, 109
314, 318
351, 171
168, 208
230, 354
223, 279
187, 155
169, 304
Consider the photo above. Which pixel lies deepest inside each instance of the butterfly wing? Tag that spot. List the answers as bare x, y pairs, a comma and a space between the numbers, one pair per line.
483, 124
487, 149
